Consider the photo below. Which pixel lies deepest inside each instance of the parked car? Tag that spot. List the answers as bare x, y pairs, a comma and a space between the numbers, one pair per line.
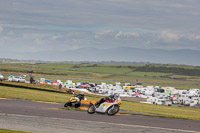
16, 78
19, 79
1, 77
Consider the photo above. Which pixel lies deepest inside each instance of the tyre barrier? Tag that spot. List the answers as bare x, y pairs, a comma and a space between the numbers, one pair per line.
85, 104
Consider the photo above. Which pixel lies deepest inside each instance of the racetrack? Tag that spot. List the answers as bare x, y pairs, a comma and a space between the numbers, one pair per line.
48, 118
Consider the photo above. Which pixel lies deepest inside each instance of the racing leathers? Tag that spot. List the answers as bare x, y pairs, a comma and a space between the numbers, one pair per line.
111, 97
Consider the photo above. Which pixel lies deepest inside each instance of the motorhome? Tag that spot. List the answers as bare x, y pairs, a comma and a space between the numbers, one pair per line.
155, 100
174, 98
194, 100
193, 92
184, 99
160, 95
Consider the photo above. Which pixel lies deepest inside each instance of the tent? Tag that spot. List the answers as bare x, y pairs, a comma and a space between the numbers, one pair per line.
47, 81
84, 86
43, 83
168, 93
173, 96
136, 94
54, 82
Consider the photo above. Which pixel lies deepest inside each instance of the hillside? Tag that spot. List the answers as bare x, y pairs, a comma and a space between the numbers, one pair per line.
125, 54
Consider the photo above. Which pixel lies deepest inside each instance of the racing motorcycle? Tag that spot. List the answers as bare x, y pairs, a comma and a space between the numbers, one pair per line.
109, 107
75, 101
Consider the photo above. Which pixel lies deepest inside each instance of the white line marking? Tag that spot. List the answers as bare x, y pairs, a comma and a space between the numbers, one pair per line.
180, 130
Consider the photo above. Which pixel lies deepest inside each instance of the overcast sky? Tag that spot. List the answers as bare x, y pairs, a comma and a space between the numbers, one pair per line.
42, 25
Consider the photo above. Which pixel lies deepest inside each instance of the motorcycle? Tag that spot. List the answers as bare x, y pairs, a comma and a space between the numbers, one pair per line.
75, 101
108, 107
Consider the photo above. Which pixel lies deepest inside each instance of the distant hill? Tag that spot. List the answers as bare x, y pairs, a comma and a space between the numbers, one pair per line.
122, 54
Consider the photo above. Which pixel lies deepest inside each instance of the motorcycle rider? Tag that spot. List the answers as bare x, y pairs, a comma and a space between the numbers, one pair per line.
81, 96
76, 100
111, 97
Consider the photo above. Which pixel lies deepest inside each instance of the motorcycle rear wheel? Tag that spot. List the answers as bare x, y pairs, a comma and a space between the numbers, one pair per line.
113, 111
91, 109
77, 105
67, 104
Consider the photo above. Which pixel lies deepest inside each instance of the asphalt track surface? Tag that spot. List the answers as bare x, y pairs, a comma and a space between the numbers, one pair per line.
48, 118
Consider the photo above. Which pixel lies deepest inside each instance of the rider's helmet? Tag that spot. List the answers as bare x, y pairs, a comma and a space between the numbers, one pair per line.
73, 99
116, 95
82, 93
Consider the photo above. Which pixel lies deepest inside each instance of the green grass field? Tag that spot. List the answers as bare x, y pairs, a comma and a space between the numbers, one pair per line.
124, 73
152, 74
108, 70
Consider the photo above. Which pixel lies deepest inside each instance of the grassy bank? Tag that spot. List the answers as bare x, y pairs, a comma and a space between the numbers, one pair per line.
46, 93
40, 95
11, 131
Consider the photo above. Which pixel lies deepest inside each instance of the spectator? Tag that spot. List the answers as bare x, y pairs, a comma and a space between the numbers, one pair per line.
60, 87
31, 80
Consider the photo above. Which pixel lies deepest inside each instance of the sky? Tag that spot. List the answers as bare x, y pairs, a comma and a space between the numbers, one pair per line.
47, 25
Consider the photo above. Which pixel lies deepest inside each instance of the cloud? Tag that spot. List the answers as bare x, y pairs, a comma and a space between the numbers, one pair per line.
115, 34
1, 28
168, 36
193, 37
10, 33
66, 24
100, 34
126, 34
39, 42
19, 26
148, 42
54, 38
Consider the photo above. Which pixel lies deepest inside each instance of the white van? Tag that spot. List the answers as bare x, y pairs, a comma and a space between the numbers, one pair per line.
1, 77
19, 79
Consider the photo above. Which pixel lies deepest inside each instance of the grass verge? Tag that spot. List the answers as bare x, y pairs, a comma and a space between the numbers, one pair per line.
162, 111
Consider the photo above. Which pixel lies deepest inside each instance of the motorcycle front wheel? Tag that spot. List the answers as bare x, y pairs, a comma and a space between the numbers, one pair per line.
113, 110
91, 109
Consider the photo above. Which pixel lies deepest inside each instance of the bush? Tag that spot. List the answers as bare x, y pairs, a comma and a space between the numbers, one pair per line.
175, 70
